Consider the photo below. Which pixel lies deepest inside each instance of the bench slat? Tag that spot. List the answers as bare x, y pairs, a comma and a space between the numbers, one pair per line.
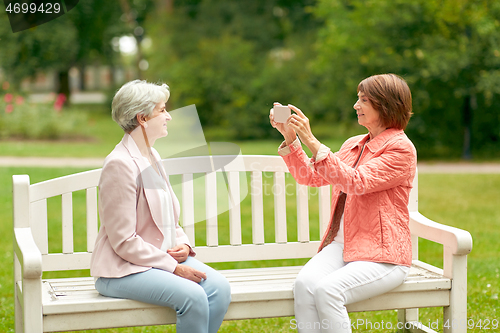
234, 208
67, 222
257, 207
92, 227
38, 218
247, 285
211, 208
324, 209
188, 206
279, 191
302, 213
66, 261
70, 183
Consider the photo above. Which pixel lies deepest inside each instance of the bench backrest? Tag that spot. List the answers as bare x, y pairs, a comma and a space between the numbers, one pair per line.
225, 203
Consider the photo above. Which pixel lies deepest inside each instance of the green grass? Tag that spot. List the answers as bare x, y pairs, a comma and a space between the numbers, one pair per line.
466, 201
97, 139
101, 134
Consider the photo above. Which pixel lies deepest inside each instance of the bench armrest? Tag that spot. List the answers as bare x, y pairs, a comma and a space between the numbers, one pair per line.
28, 253
457, 240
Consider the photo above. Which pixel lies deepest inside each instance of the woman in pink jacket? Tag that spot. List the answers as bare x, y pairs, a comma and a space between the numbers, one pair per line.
141, 252
366, 250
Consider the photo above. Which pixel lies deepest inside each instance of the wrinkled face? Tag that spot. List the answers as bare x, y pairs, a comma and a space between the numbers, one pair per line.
157, 122
367, 115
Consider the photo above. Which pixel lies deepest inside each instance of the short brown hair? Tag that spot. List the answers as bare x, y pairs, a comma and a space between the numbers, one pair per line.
391, 97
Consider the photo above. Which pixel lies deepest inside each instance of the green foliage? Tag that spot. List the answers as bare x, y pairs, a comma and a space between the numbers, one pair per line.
462, 200
22, 120
25, 53
80, 37
448, 51
234, 59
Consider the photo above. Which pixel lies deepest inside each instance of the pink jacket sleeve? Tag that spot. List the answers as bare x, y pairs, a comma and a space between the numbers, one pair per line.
300, 166
379, 170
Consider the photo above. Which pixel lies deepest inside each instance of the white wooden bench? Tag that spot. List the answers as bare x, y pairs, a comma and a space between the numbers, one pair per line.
291, 232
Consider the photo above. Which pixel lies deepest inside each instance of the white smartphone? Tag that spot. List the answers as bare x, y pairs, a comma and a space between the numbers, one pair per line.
281, 113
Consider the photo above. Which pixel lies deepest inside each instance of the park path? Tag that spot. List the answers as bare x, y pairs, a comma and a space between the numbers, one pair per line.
423, 167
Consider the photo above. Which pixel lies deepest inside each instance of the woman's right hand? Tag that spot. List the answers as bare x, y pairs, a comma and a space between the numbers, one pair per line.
285, 130
190, 273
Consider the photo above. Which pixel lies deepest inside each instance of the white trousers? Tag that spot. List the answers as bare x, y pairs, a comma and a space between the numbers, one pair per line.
326, 284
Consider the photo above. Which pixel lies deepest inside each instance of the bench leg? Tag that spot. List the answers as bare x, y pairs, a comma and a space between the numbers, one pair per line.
32, 306
410, 322
18, 310
406, 316
455, 316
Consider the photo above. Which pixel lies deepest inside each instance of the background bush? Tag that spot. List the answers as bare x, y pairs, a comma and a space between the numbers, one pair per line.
22, 120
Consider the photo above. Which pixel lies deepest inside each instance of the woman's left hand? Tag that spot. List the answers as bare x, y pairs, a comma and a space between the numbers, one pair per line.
300, 123
179, 252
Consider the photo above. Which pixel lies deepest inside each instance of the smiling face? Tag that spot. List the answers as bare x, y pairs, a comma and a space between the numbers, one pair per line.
367, 115
157, 122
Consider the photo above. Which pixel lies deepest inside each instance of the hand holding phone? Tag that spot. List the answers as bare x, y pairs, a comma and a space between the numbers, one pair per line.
281, 113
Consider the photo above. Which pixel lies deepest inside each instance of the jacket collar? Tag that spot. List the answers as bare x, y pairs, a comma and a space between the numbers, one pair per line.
129, 143
150, 193
378, 141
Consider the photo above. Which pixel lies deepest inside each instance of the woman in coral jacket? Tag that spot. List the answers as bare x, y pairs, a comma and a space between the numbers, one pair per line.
366, 250
141, 252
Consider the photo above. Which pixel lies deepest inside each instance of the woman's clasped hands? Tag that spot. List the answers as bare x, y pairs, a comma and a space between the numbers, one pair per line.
181, 253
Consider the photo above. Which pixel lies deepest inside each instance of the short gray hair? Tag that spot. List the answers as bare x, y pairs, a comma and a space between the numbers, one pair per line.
136, 97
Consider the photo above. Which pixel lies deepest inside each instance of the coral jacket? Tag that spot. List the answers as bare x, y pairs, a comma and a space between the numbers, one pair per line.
376, 216
130, 235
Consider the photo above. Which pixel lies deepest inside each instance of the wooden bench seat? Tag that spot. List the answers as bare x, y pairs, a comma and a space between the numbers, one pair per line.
65, 304
256, 292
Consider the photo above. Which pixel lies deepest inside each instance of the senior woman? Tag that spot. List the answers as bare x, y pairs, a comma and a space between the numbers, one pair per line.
366, 250
141, 252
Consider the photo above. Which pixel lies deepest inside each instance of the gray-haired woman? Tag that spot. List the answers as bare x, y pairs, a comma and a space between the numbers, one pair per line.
141, 252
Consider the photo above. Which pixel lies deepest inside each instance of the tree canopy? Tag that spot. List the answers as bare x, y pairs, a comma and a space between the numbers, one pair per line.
448, 51
233, 59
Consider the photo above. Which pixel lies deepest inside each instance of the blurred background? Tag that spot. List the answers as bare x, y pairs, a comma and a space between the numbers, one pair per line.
233, 59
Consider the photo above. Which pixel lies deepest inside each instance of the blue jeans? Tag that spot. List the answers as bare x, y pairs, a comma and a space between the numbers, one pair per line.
200, 307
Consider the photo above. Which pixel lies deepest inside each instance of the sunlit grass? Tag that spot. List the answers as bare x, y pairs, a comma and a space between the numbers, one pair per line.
465, 201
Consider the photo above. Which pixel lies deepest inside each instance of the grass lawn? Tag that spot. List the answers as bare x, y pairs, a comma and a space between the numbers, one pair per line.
466, 201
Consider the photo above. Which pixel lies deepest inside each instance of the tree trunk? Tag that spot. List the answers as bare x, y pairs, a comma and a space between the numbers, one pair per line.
470, 104
81, 77
63, 85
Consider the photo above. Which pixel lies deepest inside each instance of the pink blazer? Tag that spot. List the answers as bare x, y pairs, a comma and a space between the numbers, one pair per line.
376, 217
130, 235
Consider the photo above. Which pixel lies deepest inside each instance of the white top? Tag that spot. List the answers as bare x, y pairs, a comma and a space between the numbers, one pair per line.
167, 210
339, 238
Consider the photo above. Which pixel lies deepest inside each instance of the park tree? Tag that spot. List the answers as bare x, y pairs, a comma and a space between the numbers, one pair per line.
447, 50
48, 46
233, 59
81, 37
